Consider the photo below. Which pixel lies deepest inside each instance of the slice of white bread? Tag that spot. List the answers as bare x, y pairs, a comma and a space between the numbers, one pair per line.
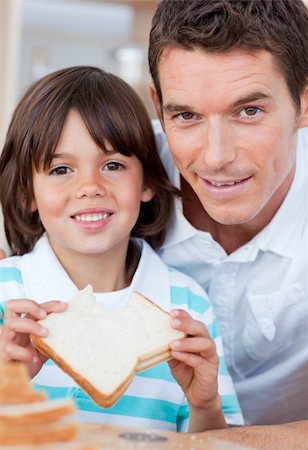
28, 420
103, 348
59, 431
35, 413
15, 385
63, 445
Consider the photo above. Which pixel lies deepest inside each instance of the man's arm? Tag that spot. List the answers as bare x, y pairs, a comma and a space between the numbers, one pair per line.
289, 436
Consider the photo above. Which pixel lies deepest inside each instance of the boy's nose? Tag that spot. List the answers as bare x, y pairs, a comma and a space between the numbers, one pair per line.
91, 186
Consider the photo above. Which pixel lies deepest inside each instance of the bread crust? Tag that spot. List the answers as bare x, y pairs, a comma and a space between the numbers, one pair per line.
38, 434
101, 399
15, 385
39, 416
143, 362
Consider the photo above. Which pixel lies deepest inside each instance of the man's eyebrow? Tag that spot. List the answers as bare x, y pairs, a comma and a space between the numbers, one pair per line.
173, 107
254, 96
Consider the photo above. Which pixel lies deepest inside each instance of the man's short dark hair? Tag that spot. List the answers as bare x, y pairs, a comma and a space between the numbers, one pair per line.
278, 26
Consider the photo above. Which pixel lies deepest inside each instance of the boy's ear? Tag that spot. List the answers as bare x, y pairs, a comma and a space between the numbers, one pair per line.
303, 118
147, 194
157, 103
33, 205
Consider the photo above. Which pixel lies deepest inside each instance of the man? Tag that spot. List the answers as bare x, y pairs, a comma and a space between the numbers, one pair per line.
230, 89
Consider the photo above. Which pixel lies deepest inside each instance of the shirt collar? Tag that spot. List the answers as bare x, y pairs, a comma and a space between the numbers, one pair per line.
152, 277
43, 275
284, 233
45, 278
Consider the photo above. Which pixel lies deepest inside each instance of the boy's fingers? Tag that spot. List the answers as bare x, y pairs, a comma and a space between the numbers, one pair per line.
17, 353
204, 347
54, 306
16, 307
24, 325
194, 345
183, 322
191, 359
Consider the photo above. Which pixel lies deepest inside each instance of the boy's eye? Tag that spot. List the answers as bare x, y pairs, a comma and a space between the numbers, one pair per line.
113, 165
61, 170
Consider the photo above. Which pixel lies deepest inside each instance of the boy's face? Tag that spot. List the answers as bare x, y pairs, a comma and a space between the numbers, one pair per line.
231, 126
88, 200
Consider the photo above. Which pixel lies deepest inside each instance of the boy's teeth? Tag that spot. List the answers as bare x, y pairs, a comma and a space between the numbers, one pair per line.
214, 183
91, 217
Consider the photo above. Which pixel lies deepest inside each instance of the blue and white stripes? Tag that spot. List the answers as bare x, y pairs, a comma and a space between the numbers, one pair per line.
153, 399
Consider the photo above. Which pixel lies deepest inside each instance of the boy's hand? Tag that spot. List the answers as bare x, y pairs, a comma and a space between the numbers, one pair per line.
2, 254
195, 361
20, 319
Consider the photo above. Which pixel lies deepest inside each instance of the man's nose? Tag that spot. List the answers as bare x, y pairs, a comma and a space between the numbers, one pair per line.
90, 185
219, 147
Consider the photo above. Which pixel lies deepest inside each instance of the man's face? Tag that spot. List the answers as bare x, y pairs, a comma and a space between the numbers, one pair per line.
231, 126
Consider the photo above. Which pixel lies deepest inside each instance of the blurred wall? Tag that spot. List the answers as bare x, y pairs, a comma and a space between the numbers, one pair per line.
39, 36
10, 40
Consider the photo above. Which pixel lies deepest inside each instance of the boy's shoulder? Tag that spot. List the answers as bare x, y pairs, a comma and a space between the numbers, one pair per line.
10, 269
11, 261
187, 294
181, 279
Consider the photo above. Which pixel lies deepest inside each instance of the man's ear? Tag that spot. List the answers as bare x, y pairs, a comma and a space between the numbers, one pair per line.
303, 117
156, 102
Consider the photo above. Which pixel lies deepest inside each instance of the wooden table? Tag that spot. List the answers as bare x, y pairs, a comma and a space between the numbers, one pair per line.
111, 437
117, 438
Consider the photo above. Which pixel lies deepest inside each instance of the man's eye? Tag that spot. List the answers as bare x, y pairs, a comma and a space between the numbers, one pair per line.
61, 170
187, 115
113, 166
250, 111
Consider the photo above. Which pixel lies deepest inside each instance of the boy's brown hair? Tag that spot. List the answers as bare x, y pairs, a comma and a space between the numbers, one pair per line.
112, 112
278, 26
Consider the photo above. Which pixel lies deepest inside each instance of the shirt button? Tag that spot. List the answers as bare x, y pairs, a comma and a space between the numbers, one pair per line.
265, 324
219, 300
223, 278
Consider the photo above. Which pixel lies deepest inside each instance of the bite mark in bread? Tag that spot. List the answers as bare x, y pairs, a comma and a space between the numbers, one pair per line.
101, 348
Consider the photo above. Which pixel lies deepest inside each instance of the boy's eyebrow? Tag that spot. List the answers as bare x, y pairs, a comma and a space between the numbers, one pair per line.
61, 155
65, 155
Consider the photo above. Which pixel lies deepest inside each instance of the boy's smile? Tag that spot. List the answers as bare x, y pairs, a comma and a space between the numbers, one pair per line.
89, 200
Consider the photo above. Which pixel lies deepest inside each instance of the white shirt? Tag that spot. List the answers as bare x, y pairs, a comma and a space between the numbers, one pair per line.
153, 399
260, 297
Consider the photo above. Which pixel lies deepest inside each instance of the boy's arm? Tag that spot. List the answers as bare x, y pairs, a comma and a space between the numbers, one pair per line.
213, 414
287, 436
